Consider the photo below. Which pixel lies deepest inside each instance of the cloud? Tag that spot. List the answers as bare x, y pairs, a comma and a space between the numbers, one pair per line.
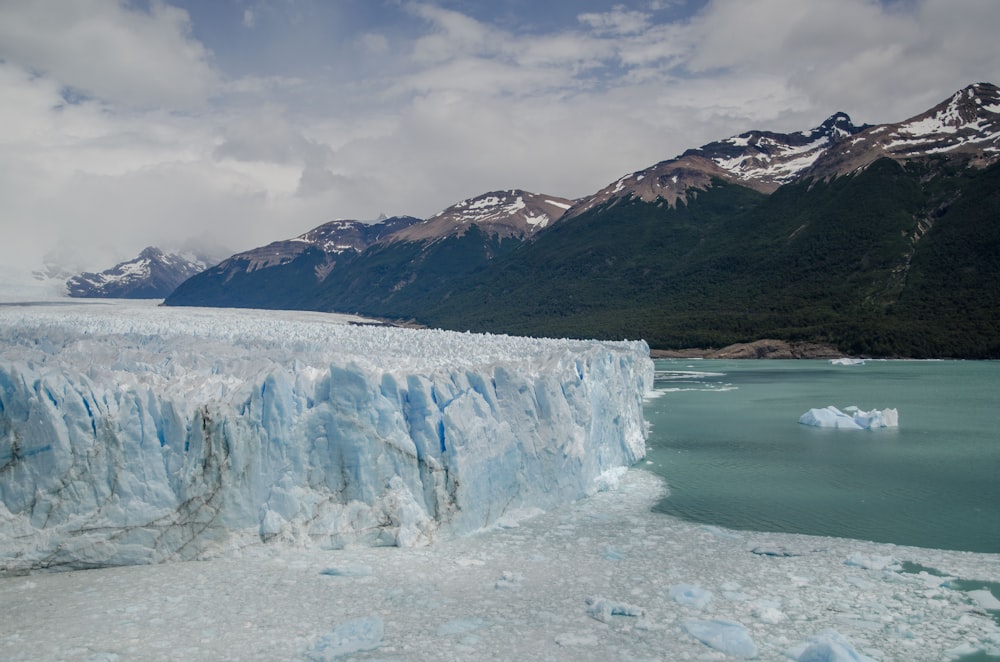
110, 50
618, 21
372, 42
879, 61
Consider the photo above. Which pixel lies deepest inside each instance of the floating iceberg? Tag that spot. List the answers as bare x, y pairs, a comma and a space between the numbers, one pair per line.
851, 418
161, 434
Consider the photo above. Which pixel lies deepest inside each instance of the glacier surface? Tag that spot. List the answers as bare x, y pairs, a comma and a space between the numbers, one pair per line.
133, 435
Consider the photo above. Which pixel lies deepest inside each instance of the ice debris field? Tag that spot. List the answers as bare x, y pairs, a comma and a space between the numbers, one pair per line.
291, 454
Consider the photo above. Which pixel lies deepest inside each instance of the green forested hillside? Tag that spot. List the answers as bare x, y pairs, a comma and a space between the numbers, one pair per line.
893, 261
399, 279
392, 279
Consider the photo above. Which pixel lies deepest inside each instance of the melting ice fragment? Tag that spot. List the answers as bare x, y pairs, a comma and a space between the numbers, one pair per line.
347, 571
847, 361
873, 562
828, 646
690, 595
985, 599
851, 418
602, 609
727, 636
361, 634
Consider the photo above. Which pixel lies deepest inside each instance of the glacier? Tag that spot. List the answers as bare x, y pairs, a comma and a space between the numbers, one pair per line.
141, 434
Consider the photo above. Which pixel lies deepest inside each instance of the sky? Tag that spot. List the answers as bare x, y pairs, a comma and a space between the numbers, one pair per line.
233, 123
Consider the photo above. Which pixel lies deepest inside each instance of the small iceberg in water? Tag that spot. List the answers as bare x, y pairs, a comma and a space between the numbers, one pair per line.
847, 361
851, 418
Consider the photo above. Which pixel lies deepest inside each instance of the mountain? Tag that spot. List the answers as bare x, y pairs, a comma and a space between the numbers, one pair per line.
512, 213
879, 240
963, 129
760, 160
965, 126
152, 275
281, 273
379, 267
896, 255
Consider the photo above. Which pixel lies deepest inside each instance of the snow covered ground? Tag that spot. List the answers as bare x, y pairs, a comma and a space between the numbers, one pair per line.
599, 579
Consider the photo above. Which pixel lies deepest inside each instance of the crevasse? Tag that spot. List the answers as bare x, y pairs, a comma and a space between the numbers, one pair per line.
168, 435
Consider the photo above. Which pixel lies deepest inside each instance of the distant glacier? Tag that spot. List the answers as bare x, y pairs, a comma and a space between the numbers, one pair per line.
137, 434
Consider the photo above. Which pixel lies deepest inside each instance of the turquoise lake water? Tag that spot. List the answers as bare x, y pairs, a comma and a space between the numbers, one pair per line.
726, 437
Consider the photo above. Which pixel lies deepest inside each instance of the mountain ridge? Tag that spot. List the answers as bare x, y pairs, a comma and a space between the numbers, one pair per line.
824, 235
154, 274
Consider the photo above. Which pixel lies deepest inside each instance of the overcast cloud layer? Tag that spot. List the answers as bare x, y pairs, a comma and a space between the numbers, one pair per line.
126, 124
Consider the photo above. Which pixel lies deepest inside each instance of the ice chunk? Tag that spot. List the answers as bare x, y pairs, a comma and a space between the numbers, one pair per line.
508, 579
347, 571
613, 554
876, 418
460, 626
361, 634
727, 636
873, 562
851, 418
829, 417
690, 595
846, 361
603, 609
767, 611
985, 599
828, 646
775, 550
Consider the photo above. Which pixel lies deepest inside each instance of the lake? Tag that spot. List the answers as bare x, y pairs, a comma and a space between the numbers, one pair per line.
725, 435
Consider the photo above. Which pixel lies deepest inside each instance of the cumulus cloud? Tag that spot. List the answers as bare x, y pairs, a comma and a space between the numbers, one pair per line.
110, 50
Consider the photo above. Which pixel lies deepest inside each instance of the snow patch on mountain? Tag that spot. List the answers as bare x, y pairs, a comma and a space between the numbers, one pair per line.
963, 128
510, 213
760, 160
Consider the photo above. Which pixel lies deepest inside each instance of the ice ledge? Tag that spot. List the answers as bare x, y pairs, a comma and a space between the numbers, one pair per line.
175, 435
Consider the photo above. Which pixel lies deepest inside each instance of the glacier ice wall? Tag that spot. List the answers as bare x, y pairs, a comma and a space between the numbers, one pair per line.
139, 435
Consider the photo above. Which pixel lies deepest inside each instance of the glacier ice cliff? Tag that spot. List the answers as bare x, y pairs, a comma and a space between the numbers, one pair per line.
140, 435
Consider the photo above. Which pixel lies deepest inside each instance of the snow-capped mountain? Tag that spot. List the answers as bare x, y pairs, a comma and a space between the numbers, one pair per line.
761, 160
152, 275
965, 127
331, 239
668, 252
383, 260
512, 213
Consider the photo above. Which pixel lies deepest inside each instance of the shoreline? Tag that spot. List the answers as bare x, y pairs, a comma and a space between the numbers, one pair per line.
759, 349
